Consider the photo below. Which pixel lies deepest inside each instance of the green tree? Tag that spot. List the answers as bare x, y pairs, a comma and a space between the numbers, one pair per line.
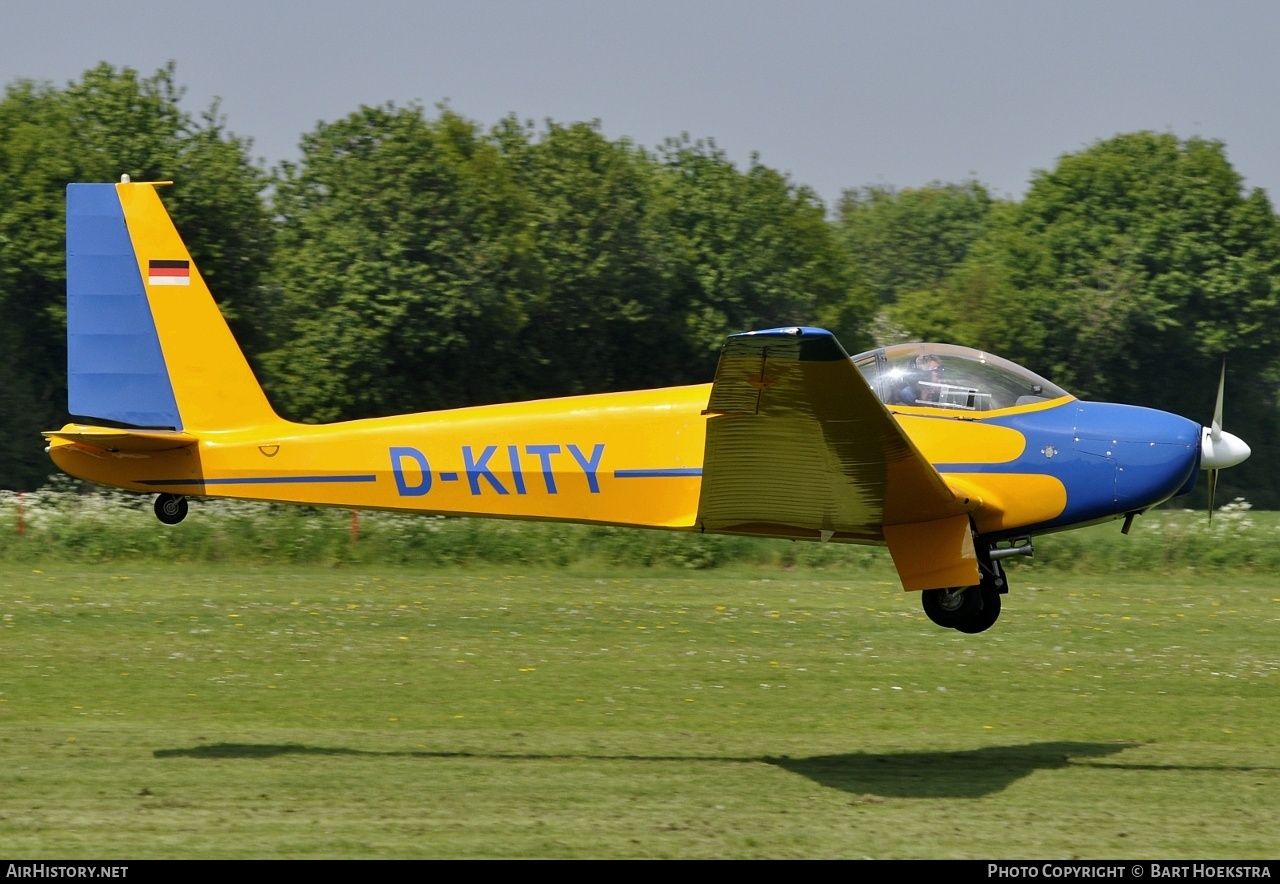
111, 122
32, 276
987, 300
977, 305
599, 311
1127, 274
747, 250
401, 267
424, 264
1131, 269
906, 240
1154, 265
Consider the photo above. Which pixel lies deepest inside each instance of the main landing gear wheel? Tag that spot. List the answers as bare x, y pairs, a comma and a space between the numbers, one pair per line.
952, 606
986, 617
171, 508
970, 609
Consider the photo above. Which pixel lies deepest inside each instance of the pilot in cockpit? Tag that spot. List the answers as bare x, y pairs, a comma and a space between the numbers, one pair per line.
925, 382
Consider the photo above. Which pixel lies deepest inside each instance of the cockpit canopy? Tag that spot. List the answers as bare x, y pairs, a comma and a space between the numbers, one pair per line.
951, 377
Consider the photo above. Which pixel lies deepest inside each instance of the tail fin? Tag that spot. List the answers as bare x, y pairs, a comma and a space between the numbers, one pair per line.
146, 344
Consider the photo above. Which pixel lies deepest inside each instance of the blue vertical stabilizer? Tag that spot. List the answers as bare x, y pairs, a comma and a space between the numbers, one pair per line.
115, 367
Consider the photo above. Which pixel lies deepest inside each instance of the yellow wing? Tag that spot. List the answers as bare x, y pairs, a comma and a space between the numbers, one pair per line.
799, 446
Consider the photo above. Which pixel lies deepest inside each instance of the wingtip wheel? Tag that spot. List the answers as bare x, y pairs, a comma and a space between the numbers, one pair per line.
171, 508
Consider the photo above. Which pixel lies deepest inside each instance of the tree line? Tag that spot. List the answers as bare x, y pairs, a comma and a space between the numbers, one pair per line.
409, 261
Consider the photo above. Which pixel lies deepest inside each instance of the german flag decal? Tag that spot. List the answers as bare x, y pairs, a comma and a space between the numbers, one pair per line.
168, 273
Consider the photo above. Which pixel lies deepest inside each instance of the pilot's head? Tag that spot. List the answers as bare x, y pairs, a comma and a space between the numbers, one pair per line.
927, 362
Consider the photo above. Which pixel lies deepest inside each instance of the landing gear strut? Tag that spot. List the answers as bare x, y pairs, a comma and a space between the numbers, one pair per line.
171, 508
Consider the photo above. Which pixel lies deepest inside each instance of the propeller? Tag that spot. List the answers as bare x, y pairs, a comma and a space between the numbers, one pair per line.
1218, 448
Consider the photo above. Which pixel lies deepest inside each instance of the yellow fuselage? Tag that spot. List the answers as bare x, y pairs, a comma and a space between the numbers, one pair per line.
631, 458
621, 458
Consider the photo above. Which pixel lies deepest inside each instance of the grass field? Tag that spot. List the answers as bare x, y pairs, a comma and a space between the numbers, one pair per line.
205, 710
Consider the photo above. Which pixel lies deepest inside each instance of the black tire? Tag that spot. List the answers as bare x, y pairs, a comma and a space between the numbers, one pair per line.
987, 617
953, 606
171, 508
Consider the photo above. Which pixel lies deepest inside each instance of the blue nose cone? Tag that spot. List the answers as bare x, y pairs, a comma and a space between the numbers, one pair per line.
1155, 453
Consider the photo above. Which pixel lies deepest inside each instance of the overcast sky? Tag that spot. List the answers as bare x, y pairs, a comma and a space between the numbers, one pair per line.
836, 93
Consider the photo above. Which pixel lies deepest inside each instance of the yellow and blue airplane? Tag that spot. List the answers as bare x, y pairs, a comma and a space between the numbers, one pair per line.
951, 457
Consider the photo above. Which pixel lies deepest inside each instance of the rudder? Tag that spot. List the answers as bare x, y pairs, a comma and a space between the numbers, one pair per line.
146, 343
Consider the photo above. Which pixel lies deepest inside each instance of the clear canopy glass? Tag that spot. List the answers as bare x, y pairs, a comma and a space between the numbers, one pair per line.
951, 377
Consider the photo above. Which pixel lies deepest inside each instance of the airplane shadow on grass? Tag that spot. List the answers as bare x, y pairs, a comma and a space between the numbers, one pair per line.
970, 773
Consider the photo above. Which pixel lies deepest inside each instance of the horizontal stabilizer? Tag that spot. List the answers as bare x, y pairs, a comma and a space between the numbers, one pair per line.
113, 439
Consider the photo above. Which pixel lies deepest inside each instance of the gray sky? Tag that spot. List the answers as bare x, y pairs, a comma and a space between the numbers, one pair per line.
836, 93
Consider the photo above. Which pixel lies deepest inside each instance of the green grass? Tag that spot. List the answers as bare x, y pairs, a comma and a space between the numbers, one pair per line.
200, 711
105, 527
